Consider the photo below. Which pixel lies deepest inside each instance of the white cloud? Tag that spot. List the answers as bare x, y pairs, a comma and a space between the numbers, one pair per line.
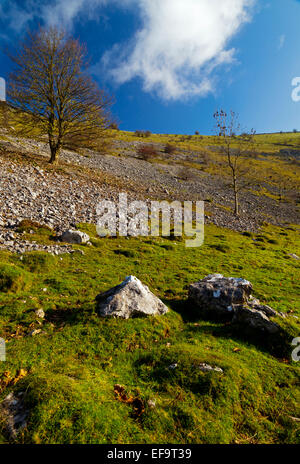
57, 12
180, 44
65, 12
176, 51
16, 17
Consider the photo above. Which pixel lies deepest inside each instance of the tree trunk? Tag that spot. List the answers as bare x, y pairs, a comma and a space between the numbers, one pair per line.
55, 151
236, 204
236, 200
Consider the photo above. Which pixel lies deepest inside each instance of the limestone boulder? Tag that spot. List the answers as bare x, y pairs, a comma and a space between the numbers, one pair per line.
75, 237
129, 299
251, 320
14, 413
215, 296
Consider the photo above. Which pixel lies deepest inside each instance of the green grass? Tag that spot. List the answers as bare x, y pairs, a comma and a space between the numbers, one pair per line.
13, 279
73, 365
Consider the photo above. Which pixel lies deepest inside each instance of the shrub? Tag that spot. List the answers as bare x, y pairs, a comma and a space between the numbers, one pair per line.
139, 133
146, 152
187, 174
114, 126
27, 224
169, 149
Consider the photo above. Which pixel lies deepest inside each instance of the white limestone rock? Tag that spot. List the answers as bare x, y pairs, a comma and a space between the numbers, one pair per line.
74, 236
129, 299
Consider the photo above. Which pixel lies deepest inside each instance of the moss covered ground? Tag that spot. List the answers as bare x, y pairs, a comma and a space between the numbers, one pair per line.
69, 370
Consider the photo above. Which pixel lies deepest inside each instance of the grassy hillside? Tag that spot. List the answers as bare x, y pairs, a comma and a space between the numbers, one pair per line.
70, 367
69, 370
269, 143
273, 162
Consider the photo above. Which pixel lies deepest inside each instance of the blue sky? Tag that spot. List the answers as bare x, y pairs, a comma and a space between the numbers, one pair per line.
171, 63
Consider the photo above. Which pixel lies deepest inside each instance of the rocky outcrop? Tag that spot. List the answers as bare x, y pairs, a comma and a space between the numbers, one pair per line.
14, 242
252, 320
216, 295
14, 413
267, 310
75, 237
129, 299
229, 299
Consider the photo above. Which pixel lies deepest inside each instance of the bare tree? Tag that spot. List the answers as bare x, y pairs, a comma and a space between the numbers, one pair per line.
53, 94
235, 146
